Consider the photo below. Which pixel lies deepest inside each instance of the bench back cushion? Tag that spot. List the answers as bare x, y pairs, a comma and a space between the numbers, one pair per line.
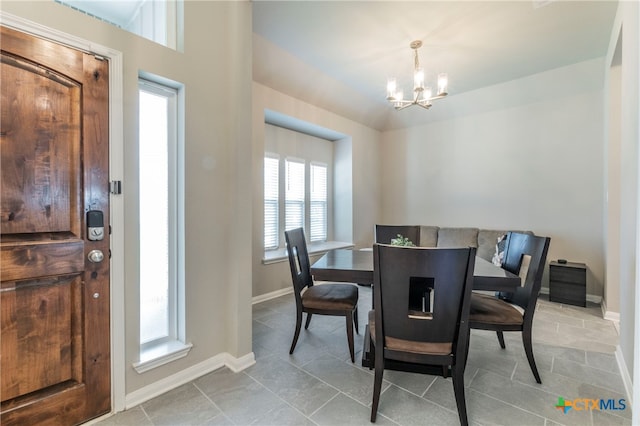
457, 237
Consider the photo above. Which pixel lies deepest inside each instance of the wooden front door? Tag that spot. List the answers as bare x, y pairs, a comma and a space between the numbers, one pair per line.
54, 151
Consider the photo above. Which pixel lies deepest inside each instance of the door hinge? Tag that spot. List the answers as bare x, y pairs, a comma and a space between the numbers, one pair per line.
115, 187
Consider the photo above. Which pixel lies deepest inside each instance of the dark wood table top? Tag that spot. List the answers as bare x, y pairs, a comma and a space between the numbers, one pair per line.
356, 266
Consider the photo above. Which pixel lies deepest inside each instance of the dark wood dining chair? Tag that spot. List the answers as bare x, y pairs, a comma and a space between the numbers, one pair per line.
525, 255
383, 234
337, 299
403, 336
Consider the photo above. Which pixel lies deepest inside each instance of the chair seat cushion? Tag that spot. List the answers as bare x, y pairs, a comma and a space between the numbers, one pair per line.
426, 348
332, 296
491, 310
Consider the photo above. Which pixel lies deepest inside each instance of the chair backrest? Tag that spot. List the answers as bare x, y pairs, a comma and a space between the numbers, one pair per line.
447, 277
385, 233
526, 255
298, 260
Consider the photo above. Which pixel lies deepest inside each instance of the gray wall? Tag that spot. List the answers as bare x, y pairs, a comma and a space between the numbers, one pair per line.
533, 166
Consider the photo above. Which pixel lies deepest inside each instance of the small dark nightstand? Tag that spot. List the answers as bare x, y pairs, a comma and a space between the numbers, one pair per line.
568, 283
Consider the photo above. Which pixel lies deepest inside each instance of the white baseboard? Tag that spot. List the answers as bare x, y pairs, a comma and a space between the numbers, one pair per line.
626, 377
611, 316
185, 376
272, 295
238, 364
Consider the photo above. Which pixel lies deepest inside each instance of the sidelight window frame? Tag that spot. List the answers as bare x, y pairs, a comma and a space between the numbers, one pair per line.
161, 223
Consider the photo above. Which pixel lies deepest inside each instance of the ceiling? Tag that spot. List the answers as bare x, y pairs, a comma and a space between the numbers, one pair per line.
338, 55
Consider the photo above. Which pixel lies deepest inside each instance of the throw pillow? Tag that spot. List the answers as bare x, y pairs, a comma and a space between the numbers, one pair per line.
498, 256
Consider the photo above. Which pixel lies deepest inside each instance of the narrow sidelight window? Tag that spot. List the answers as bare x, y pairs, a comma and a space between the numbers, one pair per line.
160, 166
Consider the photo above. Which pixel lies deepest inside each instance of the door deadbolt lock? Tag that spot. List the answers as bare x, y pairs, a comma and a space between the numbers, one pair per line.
95, 256
95, 225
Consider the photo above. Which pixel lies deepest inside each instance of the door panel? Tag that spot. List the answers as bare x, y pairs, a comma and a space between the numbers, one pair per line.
44, 348
44, 120
55, 346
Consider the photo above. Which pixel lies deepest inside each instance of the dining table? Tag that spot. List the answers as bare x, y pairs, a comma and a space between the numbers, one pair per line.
356, 266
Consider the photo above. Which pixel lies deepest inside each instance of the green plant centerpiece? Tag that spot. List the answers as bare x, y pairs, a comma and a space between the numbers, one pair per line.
402, 241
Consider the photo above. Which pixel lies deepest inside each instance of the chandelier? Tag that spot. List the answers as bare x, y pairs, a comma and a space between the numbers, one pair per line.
422, 96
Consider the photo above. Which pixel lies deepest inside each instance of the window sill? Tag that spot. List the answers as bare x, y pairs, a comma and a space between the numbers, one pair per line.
161, 354
280, 255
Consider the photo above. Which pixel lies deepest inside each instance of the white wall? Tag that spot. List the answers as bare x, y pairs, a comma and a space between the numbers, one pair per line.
218, 182
531, 166
611, 296
356, 157
627, 29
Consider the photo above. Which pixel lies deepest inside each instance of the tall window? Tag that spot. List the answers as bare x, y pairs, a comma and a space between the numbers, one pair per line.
160, 168
318, 202
271, 208
294, 194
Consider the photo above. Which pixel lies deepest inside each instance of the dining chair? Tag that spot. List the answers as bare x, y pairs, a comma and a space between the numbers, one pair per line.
526, 256
403, 336
336, 299
383, 234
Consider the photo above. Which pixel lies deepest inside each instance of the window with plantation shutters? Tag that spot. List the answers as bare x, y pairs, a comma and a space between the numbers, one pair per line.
298, 189
271, 207
294, 194
318, 202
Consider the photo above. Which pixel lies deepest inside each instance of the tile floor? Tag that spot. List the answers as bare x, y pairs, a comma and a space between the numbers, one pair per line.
318, 385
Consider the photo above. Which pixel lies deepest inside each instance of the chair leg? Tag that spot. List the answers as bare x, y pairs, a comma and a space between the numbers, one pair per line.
501, 339
457, 376
355, 319
297, 332
306, 324
349, 317
528, 349
377, 386
466, 352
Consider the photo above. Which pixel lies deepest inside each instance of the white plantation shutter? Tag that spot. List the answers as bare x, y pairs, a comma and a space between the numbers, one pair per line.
318, 201
294, 194
271, 210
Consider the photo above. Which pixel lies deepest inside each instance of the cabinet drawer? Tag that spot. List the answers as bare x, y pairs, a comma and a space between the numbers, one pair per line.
573, 294
568, 275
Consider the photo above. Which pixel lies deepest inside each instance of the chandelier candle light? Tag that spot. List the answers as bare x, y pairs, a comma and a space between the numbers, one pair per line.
422, 96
